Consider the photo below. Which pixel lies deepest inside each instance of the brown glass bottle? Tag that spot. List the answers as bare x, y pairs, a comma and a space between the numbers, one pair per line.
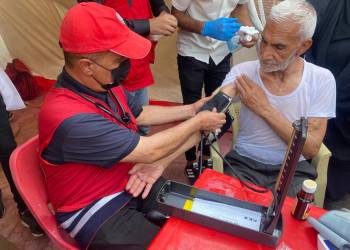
305, 198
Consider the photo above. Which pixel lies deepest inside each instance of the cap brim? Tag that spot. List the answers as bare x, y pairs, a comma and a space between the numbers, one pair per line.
134, 47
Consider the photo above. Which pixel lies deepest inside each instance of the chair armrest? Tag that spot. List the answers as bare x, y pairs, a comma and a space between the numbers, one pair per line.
218, 164
320, 162
234, 110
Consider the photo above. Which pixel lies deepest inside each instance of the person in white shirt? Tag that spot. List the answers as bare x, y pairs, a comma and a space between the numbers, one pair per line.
276, 90
11, 100
203, 54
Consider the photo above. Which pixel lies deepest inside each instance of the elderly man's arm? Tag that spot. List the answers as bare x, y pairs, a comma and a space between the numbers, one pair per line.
255, 99
316, 130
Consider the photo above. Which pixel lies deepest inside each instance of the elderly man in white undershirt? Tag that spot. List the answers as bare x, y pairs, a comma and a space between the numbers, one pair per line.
276, 90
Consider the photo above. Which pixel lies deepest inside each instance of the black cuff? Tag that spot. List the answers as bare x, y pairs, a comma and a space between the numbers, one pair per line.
140, 26
220, 101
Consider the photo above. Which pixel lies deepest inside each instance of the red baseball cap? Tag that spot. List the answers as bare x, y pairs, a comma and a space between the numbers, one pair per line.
91, 27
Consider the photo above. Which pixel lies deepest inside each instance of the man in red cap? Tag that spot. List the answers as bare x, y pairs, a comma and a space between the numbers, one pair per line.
150, 19
95, 162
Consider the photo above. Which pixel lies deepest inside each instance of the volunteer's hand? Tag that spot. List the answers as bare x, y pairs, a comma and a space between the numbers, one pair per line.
198, 104
164, 24
210, 120
221, 29
251, 43
142, 178
252, 95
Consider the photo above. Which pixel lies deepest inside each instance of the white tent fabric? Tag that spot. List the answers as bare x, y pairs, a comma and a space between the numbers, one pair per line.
9, 93
29, 29
4, 54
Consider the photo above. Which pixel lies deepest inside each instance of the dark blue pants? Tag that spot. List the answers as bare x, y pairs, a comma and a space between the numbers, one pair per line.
7, 145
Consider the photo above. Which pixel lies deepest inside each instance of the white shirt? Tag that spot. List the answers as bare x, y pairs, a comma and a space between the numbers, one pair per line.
9, 93
315, 96
196, 45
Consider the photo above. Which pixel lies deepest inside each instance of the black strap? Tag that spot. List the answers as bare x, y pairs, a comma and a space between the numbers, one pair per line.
125, 117
123, 120
101, 107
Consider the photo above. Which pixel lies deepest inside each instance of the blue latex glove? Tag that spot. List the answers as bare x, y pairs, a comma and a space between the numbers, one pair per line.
222, 29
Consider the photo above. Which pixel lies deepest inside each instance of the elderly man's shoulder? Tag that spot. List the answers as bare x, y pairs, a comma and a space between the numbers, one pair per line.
247, 64
319, 74
246, 67
249, 68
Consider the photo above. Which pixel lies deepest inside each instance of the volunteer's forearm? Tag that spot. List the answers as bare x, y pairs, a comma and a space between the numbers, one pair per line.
155, 115
186, 22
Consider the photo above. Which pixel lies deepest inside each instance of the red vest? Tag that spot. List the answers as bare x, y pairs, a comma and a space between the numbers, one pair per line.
73, 186
140, 75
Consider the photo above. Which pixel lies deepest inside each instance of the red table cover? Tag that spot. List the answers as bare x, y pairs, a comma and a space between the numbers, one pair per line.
180, 234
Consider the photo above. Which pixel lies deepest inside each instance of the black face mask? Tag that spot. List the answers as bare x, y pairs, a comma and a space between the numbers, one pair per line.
118, 74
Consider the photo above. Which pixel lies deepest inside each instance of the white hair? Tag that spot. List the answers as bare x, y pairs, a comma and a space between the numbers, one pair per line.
299, 11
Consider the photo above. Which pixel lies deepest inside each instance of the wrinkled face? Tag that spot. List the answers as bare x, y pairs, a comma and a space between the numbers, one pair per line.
280, 44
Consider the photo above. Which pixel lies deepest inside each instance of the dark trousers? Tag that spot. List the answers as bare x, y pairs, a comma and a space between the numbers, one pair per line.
129, 228
7, 145
266, 175
193, 75
338, 179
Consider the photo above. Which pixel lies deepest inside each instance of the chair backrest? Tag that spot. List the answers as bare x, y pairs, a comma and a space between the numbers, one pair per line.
30, 181
234, 110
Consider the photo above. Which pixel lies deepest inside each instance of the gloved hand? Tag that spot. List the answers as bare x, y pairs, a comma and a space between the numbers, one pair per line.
222, 29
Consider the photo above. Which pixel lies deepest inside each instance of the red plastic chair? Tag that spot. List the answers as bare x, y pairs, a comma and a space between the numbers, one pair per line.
30, 182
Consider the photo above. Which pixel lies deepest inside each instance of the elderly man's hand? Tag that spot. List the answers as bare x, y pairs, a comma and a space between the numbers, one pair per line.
142, 178
252, 95
250, 43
